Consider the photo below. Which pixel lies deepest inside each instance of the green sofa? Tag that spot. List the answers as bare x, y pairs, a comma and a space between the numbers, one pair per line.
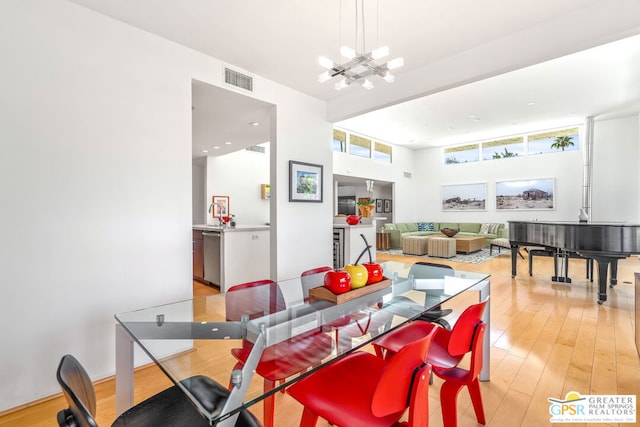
400, 230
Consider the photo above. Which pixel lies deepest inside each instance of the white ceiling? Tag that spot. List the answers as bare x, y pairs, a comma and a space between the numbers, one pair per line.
600, 82
225, 121
282, 39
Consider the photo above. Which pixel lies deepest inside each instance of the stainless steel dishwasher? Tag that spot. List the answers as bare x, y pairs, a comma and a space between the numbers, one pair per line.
211, 254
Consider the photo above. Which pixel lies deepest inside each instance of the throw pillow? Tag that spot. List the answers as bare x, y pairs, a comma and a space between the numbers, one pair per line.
484, 228
430, 227
422, 226
493, 228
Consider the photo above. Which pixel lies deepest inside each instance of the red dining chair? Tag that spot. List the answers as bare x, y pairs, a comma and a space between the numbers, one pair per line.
445, 353
361, 389
312, 279
282, 360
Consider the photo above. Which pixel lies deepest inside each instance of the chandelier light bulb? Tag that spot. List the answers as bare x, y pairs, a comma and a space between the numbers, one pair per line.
341, 84
347, 52
388, 77
395, 63
366, 83
324, 77
325, 62
381, 52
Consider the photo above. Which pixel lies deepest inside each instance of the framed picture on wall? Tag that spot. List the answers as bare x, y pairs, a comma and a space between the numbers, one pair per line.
305, 182
526, 194
464, 197
387, 205
379, 206
220, 206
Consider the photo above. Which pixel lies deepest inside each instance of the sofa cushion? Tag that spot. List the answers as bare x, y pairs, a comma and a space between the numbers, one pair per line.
431, 226
422, 226
401, 226
388, 227
491, 228
412, 226
470, 227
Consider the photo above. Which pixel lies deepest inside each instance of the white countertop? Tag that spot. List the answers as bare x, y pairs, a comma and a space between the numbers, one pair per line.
238, 228
345, 225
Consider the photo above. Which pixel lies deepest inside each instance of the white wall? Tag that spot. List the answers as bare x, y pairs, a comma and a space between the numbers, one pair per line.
239, 176
95, 180
198, 191
304, 230
404, 188
616, 151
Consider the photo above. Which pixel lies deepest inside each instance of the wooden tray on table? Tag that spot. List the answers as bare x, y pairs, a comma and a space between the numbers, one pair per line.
322, 293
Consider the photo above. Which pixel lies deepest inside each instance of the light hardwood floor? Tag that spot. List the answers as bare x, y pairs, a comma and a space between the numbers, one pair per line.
547, 339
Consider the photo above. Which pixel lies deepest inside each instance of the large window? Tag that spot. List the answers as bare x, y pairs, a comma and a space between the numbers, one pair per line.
554, 141
359, 146
339, 141
463, 154
503, 148
382, 152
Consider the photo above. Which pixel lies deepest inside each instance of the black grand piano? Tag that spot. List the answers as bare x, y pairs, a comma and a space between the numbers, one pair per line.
604, 242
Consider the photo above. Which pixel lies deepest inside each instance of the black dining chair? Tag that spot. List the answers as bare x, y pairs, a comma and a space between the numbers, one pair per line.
424, 270
169, 408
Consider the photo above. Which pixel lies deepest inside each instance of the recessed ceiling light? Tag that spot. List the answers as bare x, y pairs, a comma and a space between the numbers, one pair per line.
531, 103
254, 124
227, 143
216, 147
205, 151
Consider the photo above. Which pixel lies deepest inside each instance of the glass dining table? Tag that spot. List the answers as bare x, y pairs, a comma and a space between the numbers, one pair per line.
198, 336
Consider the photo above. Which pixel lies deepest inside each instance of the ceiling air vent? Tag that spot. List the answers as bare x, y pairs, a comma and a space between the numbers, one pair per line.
256, 148
407, 174
237, 79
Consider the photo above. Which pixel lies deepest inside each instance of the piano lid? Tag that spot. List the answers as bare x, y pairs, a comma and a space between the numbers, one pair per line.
615, 238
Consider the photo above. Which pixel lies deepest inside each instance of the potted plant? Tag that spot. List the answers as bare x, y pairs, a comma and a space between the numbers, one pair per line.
366, 206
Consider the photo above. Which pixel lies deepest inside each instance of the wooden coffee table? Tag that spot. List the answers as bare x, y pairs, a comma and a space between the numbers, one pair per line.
469, 244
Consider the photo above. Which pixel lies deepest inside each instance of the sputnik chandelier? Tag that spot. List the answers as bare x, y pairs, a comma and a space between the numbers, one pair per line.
360, 67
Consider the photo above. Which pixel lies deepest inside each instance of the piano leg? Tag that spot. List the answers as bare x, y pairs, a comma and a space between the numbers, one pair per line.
614, 272
514, 259
603, 270
561, 267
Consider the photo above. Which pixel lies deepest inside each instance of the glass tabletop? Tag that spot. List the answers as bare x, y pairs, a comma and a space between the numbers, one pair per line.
280, 330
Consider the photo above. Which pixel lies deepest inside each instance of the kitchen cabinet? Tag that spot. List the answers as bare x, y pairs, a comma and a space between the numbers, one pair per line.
198, 263
246, 257
234, 255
